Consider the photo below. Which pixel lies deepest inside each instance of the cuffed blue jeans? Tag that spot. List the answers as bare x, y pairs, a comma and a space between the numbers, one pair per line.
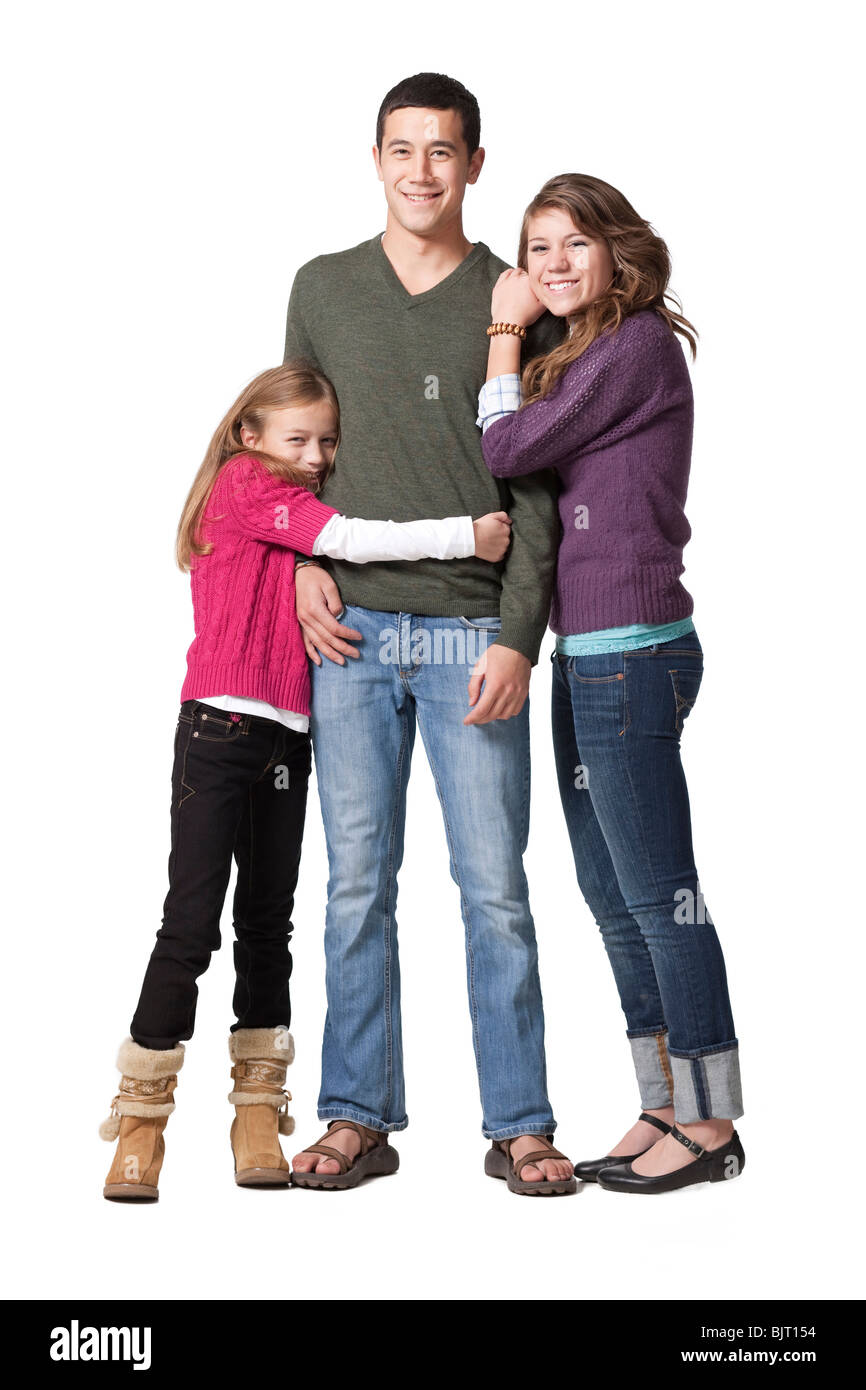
617, 721
415, 669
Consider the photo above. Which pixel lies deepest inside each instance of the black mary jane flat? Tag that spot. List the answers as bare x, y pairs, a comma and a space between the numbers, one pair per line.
711, 1165
589, 1169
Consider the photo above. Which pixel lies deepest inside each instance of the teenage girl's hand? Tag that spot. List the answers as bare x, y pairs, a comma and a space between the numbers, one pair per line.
514, 301
317, 599
492, 535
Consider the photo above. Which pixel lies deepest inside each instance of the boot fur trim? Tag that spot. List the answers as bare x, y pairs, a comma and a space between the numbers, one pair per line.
110, 1128
143, 1110
262, 1045
148, 1064
257, 1098
286, 1122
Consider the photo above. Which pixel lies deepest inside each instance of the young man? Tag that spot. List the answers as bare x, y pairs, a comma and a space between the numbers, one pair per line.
398, 324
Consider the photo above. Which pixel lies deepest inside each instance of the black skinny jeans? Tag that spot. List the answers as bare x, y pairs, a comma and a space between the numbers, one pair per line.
239, 787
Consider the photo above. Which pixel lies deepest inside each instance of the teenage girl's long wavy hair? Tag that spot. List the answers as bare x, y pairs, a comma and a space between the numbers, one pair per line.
642, 269
294, 384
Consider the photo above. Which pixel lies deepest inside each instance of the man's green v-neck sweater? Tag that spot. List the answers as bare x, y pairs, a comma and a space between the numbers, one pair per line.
407, 370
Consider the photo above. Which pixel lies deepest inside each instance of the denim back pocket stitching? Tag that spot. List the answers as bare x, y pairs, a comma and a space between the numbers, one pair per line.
682, 702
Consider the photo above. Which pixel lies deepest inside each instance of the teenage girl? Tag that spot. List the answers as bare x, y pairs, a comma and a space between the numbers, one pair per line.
611, 410
242, 760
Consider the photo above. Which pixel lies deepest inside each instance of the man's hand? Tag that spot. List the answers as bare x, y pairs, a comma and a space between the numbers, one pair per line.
505, 674
317, 599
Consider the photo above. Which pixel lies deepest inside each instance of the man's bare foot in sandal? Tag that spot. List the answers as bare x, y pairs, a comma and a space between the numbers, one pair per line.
346, 1153
347, 1141
507, 1158
546, 1170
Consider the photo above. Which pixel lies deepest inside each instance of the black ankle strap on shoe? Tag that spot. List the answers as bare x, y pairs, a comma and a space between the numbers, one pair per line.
689, 1143
651, 1120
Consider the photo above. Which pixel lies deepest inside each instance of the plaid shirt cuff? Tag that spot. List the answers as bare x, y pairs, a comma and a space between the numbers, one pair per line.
497, 397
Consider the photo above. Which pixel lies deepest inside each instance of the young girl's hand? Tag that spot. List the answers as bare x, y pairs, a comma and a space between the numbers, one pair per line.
492, 534
514, 300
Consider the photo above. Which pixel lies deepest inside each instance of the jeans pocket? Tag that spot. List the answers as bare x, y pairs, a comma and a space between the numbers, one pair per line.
597, 680
490, 623
602, 668
214, 726
598, 694
686, 682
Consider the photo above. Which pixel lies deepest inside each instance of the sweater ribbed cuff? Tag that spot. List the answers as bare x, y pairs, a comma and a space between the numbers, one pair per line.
526, 640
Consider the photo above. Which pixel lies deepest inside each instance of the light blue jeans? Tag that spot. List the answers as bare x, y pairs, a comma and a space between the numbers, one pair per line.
415, 668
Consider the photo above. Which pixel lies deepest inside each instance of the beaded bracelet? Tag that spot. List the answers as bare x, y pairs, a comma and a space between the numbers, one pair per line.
513, 328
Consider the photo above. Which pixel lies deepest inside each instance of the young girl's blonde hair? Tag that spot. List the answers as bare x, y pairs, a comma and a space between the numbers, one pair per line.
296, 383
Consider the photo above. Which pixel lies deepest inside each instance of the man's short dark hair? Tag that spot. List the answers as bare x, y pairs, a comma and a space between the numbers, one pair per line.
440, 93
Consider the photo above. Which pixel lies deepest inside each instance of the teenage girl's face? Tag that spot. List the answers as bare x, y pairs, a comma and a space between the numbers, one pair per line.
567, 269
425, 167
303, 435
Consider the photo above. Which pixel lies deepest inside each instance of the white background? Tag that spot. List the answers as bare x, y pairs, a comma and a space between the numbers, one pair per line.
168, 168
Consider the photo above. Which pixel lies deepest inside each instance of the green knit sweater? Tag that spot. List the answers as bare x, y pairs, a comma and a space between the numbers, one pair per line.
407, 370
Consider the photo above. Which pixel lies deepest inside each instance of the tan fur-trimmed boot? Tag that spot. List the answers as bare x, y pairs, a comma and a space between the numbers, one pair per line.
139, 1114
260, 1056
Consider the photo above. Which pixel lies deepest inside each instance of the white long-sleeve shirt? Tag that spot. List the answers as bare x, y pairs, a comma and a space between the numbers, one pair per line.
351, 538
362, 542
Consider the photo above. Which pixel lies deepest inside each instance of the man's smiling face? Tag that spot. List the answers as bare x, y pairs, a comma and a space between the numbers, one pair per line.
425, 167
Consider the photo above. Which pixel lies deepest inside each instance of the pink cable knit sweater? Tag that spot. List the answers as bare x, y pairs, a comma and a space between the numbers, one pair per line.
247, 635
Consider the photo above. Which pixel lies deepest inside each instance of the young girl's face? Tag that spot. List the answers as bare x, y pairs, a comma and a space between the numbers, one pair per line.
303, 435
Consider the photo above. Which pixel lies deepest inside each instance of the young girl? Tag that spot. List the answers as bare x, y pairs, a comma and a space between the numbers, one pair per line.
242, 760
610, 408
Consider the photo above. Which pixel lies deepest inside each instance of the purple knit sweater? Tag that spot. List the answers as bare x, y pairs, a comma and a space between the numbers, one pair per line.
617, 428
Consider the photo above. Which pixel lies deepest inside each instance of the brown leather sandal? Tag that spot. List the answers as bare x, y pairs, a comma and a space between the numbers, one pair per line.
498, 1164
375, 1158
